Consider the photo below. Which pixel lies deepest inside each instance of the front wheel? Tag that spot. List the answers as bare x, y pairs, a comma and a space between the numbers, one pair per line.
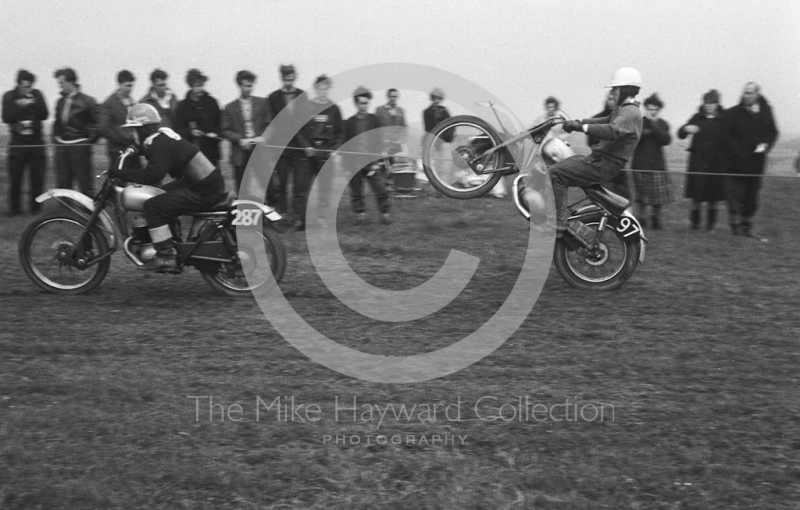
249, 275
50, 254
610, 265
451, 157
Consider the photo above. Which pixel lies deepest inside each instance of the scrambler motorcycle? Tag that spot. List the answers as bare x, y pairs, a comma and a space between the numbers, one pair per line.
68, 250
464, 157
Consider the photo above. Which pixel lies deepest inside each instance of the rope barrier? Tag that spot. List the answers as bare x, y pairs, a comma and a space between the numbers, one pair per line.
406, 156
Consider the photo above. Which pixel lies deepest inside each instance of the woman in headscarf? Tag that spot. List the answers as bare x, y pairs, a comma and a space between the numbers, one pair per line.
706, 157
653, 187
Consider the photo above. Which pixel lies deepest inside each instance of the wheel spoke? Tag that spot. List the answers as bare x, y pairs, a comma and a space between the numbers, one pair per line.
452, 155
50, 250
613, 251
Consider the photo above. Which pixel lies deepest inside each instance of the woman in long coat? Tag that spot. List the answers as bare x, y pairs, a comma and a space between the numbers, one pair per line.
653, 188
706, 156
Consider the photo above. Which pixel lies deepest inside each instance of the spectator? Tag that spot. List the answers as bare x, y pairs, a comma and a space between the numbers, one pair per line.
652, 188
324, 133
706, 156
24, 109
371, 143
243, 121
197, 118
552, 109
393, 116
74, 131
161, 97
619, 184
431, 116
749, 134
435, 113
292, 162
112, 115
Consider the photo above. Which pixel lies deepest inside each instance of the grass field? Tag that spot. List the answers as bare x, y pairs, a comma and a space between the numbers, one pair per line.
105, 398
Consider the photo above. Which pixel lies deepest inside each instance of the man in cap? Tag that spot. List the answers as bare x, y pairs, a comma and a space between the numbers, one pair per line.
197, 118
197, 186
370, 143
618, 133
293, 161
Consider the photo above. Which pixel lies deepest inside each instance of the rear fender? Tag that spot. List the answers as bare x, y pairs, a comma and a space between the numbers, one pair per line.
270, 213
639, 234
627, 224
83, 206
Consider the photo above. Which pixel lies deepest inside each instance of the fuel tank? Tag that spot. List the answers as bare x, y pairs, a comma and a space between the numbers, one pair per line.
134, 196
555, 150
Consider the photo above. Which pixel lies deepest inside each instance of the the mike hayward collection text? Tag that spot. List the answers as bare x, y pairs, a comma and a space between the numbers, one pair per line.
489, 408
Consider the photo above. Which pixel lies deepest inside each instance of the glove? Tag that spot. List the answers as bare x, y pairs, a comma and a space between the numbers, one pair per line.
572, 125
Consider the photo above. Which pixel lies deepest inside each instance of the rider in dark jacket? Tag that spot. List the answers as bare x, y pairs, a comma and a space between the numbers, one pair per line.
197, 186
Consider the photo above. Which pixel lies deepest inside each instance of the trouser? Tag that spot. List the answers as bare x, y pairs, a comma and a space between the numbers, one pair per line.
182, 197
238, 170
324, 181
377, 182
620, 185
74, 163
742, 195
581, 172
36, 161
296, 165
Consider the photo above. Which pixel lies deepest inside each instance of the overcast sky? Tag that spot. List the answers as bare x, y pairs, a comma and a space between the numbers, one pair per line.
521, 51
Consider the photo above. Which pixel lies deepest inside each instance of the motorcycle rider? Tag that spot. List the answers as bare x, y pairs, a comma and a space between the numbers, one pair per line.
197, 186
618, 133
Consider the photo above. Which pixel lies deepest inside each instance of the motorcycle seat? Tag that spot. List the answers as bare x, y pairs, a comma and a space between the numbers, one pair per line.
613, 202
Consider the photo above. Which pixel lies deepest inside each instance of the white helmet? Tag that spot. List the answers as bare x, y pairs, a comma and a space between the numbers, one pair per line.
626, 76
141, 114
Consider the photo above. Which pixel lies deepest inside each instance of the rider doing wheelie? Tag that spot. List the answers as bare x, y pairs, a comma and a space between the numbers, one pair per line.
618, 133
197, 186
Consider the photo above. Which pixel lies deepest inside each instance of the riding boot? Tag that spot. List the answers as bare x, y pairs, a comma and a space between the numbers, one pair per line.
694, 217
711, 219
581, 232
165, 250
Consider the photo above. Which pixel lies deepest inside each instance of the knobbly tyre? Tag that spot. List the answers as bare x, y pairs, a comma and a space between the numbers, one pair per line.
464, 157
68, 251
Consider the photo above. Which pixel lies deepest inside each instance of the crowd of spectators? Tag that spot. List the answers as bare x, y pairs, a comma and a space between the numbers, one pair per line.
723, 141
728, 150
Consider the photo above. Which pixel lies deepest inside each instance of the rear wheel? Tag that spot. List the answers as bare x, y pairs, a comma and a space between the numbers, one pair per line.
606, 267
49, 254
251, 273
450, 157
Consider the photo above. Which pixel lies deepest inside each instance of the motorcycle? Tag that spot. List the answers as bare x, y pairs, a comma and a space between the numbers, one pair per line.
464, 157
68, 250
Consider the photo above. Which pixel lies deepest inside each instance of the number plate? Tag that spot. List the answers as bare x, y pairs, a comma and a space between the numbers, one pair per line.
628, 227
247, 217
